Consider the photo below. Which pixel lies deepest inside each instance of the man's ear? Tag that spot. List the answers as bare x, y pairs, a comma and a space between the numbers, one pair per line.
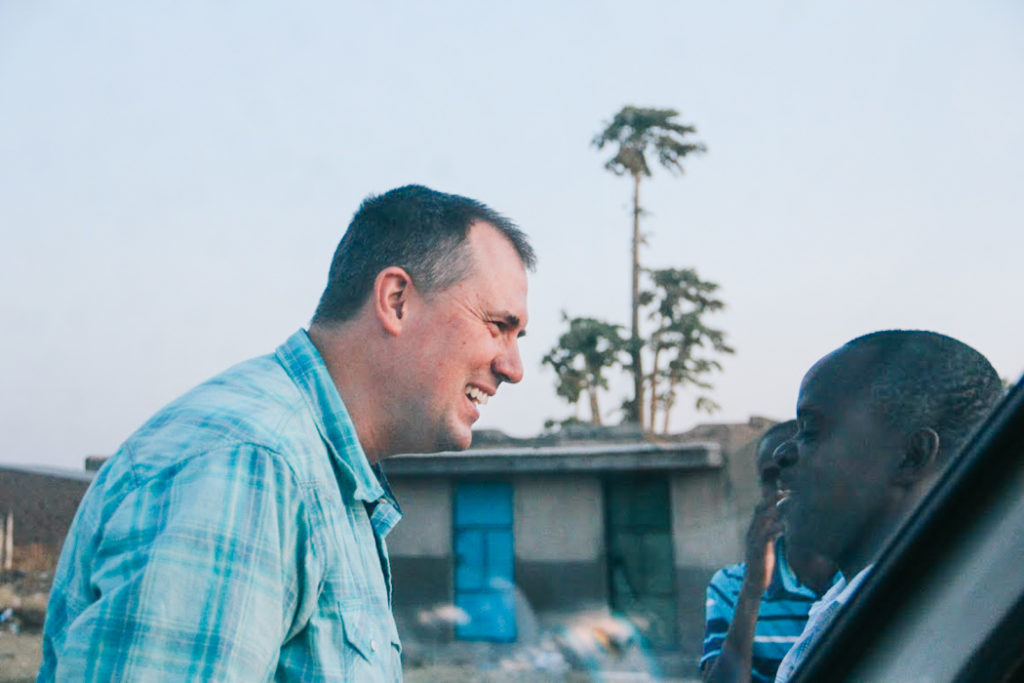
920, 456
391, 290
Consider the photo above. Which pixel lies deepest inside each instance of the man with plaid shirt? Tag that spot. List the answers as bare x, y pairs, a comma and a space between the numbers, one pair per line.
238, 535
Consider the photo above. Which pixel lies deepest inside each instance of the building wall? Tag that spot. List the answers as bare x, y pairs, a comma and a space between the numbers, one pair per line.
745, 490
558, 535
703, 541
43, 507
420, 547
559, 541
560, 565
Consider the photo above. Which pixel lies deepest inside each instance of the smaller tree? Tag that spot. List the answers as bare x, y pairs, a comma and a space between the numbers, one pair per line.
681, 343
583, 353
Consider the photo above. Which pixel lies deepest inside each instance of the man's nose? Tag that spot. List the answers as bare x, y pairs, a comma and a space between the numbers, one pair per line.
508, 366
785, 454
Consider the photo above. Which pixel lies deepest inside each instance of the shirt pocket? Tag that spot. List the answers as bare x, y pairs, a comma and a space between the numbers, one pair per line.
365, 632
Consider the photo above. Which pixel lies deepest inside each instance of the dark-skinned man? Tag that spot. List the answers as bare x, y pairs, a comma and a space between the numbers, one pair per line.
878, 419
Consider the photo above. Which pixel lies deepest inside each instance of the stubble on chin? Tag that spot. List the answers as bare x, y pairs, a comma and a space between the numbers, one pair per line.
454, 437
453, 442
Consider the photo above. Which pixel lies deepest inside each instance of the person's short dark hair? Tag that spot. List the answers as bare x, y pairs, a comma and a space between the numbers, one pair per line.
925, 379
781, 432
418, 229
764, 460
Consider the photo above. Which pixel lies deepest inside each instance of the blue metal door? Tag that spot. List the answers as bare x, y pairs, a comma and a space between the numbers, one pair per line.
484, 584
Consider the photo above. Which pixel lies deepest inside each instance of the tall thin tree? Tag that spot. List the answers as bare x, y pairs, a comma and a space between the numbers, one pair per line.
635, 132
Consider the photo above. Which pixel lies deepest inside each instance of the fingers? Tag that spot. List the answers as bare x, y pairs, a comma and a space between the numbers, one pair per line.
769, 566
766, 522
765, 528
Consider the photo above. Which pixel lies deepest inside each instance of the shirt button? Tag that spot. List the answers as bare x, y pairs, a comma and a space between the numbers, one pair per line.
373, 645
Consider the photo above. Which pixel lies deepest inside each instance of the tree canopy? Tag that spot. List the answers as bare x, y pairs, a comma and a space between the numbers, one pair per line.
638, 130
580, 360
681, 347
681, 344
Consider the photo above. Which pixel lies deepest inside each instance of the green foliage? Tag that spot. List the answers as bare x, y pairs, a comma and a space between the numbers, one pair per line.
636, 130
581, 358
552, 426
681, 345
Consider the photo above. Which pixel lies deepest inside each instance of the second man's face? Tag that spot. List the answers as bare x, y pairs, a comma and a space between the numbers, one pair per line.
835, 472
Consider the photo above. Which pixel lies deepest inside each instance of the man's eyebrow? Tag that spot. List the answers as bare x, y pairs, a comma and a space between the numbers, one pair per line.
512, 320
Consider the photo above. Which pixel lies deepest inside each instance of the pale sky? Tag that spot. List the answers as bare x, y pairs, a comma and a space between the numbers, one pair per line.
174, 177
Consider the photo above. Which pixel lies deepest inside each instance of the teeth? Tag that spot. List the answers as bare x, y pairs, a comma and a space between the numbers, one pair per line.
477, 395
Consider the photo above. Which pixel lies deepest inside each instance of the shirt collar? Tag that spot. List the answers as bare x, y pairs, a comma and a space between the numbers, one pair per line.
306, 367
848, 589
385, 513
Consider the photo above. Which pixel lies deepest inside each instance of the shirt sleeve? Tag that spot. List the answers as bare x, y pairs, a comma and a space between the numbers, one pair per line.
197, 573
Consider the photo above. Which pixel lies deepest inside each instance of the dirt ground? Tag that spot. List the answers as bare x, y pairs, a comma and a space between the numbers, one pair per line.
22, 610
19, 657
21, 647
20, 654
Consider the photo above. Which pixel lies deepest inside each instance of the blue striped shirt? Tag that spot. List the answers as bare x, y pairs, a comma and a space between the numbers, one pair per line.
237, 536
781, 616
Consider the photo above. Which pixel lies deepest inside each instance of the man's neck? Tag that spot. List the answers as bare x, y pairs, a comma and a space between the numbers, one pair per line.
865, 551
813, 570
336, 344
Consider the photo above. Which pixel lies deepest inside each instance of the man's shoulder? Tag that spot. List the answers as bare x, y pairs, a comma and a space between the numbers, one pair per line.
727, 580
254, 404
730, 573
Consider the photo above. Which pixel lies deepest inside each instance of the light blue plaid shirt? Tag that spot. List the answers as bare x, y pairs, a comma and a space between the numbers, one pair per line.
237, 536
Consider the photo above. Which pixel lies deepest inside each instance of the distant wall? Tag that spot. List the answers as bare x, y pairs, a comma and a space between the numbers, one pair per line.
704, 540
43, 506
711, 514
558, 518
420, 546
559, 541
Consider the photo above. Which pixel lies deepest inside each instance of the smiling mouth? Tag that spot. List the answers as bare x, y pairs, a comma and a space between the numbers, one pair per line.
477, 396
783, 496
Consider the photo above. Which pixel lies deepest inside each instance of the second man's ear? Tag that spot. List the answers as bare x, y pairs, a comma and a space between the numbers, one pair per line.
920, 456
391, 292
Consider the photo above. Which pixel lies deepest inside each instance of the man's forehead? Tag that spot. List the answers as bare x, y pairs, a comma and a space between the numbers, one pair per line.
837, 379
487, 241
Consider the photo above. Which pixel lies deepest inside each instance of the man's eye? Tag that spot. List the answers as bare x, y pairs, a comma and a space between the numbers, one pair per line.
499, 325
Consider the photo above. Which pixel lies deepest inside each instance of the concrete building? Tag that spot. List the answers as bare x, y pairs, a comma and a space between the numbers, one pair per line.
522, 536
